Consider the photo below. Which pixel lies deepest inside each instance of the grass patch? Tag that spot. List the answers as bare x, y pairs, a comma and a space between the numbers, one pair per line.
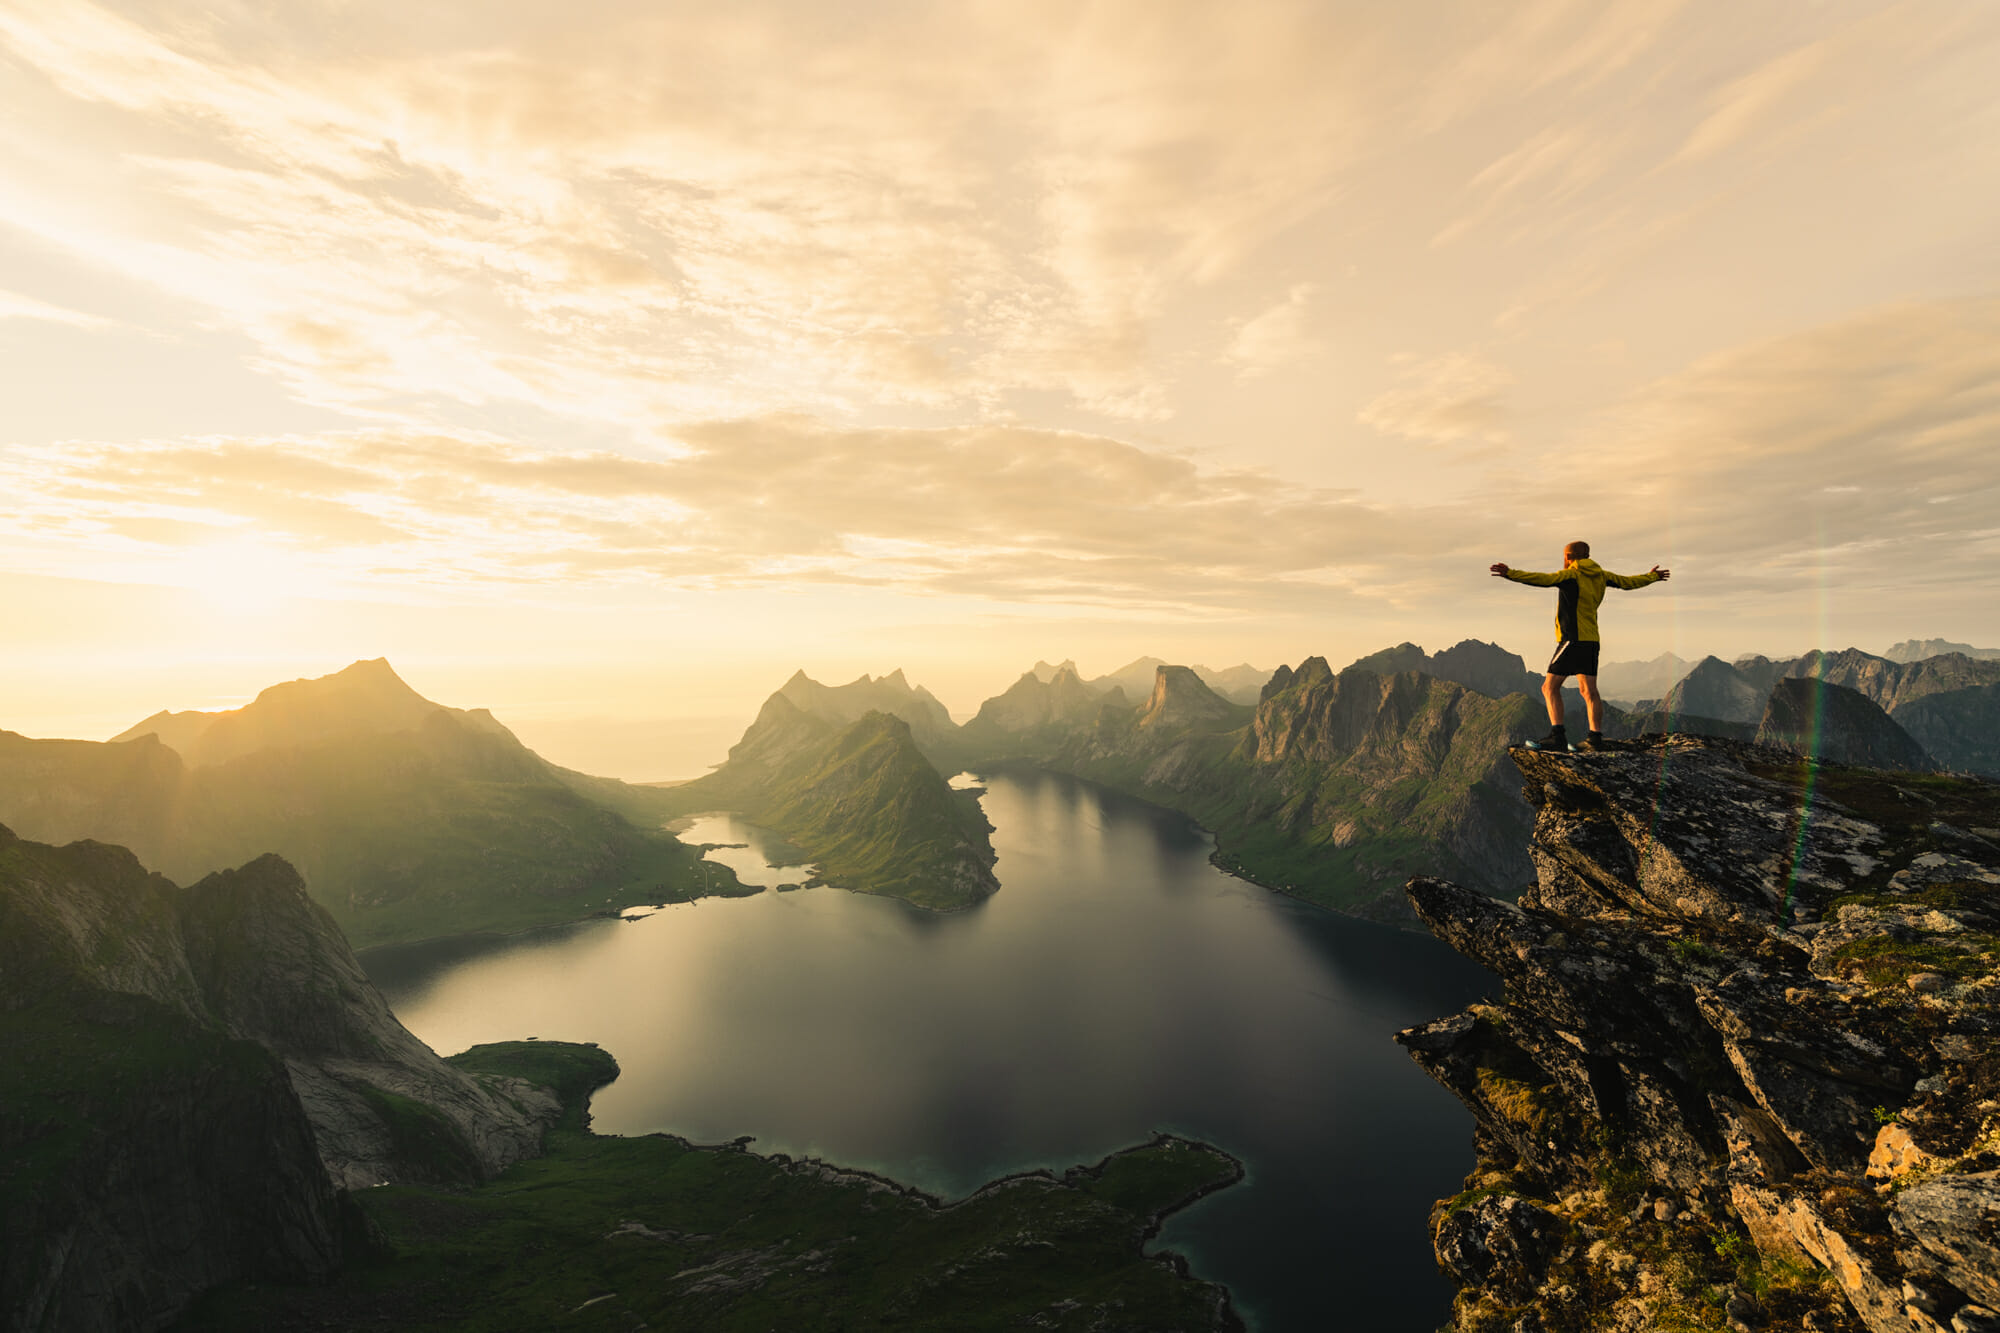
1882, 960
609, 1233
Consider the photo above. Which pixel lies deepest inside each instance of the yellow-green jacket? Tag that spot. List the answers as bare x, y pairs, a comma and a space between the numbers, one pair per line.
1580, 589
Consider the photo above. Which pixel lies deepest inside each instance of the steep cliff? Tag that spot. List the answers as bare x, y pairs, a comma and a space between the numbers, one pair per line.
189, 1075
1745, 1065
1335, 787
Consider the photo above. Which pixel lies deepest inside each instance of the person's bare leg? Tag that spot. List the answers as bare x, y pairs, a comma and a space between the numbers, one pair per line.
1593, 702
1552, 694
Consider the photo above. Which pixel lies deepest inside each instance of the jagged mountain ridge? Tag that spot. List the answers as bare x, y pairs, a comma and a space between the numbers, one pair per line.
1332, 787
1730, 1056
1239, 684
929, 722
191, 1073
1037, 714
1961, 731
1916, 650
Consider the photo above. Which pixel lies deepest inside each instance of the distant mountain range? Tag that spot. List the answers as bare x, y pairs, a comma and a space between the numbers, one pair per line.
1239, 684
1916, 650
407, 818
1949, 705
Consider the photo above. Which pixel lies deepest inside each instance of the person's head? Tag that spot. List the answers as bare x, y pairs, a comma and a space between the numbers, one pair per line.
1576, 551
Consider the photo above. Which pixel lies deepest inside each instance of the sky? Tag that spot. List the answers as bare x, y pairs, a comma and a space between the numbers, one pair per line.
603, 363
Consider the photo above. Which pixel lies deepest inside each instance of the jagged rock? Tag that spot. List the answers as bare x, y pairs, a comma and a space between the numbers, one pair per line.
1955, 1221
1502, 1243
1181, 702
1706, 990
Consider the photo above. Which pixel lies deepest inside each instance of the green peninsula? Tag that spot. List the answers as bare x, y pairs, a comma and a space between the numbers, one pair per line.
618, 1233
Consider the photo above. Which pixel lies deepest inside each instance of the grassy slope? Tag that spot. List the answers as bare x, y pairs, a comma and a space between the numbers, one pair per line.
403, 836
604, 1233
865, 806
876, 816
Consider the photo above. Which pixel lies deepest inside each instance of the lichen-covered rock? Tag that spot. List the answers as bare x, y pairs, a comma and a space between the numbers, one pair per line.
1709, 1069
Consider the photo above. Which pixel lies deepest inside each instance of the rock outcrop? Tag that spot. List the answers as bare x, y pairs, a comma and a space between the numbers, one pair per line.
1745, 1070
191, 1075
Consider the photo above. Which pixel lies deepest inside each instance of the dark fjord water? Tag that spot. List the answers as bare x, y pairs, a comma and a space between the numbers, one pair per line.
1117, 984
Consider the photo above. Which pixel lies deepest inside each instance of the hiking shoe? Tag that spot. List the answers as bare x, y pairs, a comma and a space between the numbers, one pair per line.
1595, 742
1557, 740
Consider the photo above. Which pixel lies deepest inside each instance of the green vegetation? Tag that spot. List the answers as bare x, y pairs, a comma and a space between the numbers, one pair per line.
864, 805
1345, 786
612, 1233
422, 1139
439, 830
1883, 960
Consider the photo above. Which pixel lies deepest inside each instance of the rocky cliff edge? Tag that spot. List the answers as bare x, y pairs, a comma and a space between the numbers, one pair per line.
1745, 1070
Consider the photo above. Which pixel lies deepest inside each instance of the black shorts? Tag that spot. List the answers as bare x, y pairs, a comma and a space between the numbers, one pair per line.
1575, 657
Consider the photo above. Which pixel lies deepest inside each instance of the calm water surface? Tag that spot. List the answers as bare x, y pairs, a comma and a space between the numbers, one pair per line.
1117, 984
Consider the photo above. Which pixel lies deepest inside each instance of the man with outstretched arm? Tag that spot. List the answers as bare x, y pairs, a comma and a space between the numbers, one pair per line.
1579, 586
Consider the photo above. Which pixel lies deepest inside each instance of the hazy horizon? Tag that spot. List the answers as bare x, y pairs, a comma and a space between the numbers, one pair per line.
602, 373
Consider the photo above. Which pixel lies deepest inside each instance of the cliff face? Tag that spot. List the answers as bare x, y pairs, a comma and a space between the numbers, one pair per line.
189, 1074
1746, 1066
1335, 787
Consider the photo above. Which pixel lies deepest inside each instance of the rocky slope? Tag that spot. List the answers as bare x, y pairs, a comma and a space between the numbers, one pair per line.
406, 818
1745, 1067
190, 1076
1335, 787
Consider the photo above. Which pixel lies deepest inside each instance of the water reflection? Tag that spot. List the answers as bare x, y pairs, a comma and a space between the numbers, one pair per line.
757, 855
1117, 984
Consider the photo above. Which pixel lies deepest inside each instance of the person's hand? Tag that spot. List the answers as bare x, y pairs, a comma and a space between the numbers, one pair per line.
1664, 574
1499, 571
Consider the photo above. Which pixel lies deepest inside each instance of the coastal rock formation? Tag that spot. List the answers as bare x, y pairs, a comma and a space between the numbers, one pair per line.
1335, 787
1828, 721
189, 1075
1745, 1067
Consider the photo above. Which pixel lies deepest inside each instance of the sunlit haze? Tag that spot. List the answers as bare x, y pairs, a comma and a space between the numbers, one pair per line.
601, 366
